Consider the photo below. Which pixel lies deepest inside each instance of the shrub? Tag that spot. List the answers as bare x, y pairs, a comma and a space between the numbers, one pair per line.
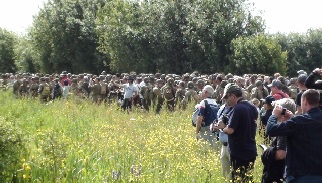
11, 148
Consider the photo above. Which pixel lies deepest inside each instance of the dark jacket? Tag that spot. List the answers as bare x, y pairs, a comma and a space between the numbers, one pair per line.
304, 144
273, 169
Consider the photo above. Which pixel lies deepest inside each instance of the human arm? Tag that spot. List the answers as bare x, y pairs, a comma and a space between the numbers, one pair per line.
310, 81
281, 148
283, 129
198, 125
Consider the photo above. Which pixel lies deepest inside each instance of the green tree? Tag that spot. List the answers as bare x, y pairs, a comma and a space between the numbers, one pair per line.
25, 56
63, 35
257, 54
173, 36
7, 54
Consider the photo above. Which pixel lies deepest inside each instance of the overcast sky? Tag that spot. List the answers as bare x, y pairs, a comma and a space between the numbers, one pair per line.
280, 15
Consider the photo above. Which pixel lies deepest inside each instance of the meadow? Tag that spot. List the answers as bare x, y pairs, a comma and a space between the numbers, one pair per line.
76, 141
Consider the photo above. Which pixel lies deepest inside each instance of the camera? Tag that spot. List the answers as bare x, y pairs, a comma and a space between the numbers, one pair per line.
283, 112
214, 123
225, 119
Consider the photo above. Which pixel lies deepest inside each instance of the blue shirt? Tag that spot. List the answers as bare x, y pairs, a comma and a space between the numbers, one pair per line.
304, 144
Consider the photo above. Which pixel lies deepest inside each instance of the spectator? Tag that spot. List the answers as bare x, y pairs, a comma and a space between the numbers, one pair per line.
274, 157
224, 112
312, 82
300, 72
304, 155
206, 115
241, 131
301, 84
276, 89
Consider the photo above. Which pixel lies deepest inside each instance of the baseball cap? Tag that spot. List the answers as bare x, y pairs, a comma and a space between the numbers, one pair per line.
276, 83
268, 100
229, 88
301, 72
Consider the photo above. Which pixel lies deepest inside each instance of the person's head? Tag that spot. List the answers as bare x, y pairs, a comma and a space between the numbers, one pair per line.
130, 79
200, 84
267, 102
219, 78
287, 103
310, 99
276, 75
259, 84
240, 82
207, 91
97, 80
301, 81
256, 102
232, 93
301, 72
159, 82
267, 79
276, 86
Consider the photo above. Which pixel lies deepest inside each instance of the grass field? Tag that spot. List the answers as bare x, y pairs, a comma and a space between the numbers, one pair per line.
76, 141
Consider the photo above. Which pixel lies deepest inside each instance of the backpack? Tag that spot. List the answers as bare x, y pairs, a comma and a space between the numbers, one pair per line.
168, 93
46, 90
209, 109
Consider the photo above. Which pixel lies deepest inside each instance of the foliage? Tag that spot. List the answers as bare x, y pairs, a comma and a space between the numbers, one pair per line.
63, 36
26, 58
257, 54
76, 141
151, 36
7, 43
11, 149
304, 51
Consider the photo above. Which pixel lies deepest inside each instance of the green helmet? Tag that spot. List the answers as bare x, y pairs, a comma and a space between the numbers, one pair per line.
190, 85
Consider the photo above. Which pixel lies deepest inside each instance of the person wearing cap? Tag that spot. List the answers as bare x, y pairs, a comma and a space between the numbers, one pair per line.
224, 111
241, 130
158, 95
44, 90
130, 91
190, 95
206, 115
304, 155
23, 88
33, 90
265, 114
259, 92
276, 90
301, 72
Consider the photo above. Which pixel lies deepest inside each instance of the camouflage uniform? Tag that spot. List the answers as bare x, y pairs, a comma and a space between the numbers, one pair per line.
168, 93
158, 95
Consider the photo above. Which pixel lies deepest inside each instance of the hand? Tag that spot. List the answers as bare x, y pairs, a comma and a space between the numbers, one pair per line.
317, 71
221, 125
288, 115
214, 127
277, 110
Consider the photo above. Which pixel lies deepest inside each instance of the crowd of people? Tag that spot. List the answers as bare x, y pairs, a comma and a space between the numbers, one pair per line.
230, 110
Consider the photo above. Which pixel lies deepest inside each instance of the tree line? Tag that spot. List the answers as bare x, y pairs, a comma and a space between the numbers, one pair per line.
168, 36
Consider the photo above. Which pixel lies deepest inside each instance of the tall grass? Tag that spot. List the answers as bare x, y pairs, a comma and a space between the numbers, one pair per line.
76, 141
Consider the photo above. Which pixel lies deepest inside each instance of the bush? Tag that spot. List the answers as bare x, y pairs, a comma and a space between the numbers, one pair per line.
11, 147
